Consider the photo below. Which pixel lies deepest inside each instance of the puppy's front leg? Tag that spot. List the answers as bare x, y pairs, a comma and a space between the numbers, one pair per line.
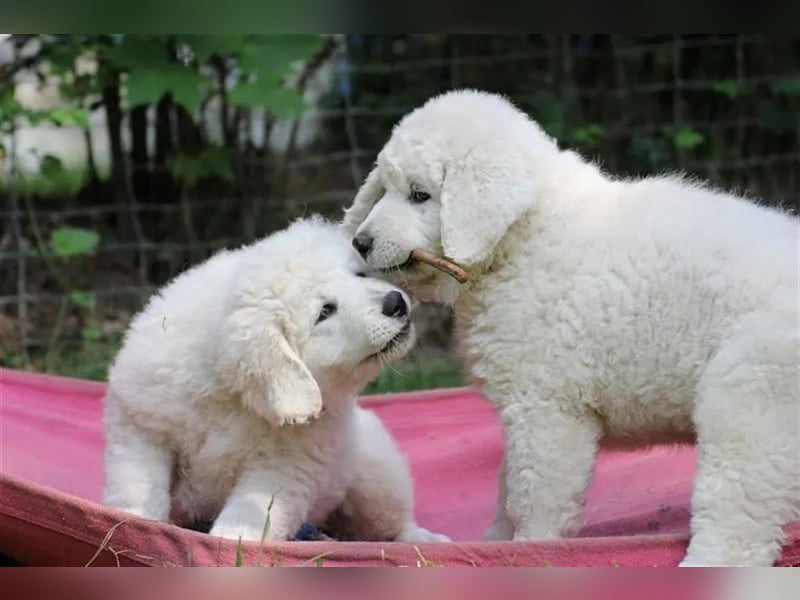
549, 458
264, 503
501, 528
137, 470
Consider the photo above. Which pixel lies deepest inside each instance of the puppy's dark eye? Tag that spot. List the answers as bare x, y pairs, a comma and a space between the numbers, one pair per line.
418, 196
328, 310
361, 274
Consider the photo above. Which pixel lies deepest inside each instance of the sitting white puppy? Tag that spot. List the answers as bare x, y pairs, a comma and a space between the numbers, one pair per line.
234, 395
634, 311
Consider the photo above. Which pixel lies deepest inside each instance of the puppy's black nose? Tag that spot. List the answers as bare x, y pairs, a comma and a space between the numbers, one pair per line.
363, 243
394, 305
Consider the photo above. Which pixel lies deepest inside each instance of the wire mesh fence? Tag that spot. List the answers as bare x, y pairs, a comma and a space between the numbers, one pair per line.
721, 107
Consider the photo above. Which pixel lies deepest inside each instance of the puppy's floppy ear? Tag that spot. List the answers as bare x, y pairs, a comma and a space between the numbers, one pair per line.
256, 361
369, 193
483, 194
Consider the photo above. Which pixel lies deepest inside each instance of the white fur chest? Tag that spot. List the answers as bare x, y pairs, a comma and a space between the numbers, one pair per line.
598, 318
210, 460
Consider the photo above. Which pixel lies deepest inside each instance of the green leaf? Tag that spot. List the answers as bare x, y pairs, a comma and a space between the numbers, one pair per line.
270, 56
137, 52
151, 72
51, 167
206, 46
92, 334
589, 135
83, 299
283, 103
147, 85
728, 87
144, 86
73, 241
249, 93
37, 116
69, 116
9, 105
185, 86
214, 161
687, 138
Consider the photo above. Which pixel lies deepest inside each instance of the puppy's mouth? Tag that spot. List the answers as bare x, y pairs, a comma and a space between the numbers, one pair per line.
396, 342
409, 262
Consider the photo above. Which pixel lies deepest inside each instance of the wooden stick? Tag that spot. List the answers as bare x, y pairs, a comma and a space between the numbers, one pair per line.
445, 265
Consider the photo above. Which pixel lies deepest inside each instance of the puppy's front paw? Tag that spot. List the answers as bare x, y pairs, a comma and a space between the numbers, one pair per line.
238, 531
414, 534
152, 511
499, 532
137, 511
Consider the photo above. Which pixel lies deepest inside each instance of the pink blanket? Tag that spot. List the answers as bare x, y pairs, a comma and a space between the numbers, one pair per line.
51, 450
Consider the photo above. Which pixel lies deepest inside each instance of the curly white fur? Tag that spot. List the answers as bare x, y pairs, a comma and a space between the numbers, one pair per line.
229, 400
628, 311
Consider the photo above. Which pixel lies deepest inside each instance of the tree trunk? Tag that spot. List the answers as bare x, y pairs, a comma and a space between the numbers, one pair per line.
111, 101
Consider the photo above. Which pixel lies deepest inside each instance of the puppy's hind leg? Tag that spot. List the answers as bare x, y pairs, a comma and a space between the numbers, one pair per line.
138, 469
747, 416
379, 504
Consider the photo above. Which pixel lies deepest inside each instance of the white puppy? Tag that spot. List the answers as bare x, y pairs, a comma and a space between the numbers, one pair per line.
634, 311
234, 395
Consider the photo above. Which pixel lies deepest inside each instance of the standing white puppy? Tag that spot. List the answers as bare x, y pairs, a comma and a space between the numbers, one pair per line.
233, 398
632, 311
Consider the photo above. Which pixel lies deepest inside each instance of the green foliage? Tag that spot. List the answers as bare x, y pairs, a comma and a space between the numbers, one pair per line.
11, 111
414, 373
68, 242
589, 135
238, 71
729, 87
49, 182
265, 62
83, 299
283, 103
687, 138
92, 334
551, 111
68, 116
246, 70
192, 67
89, 358
146, 86
152, 72
213, 161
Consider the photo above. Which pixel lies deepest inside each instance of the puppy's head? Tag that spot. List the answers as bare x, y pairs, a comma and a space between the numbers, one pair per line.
305, 322
454, 176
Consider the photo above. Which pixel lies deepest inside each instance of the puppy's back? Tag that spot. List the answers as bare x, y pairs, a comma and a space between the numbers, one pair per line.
168, 348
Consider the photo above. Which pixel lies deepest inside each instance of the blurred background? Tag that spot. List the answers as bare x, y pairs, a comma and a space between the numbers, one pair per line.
126, 159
